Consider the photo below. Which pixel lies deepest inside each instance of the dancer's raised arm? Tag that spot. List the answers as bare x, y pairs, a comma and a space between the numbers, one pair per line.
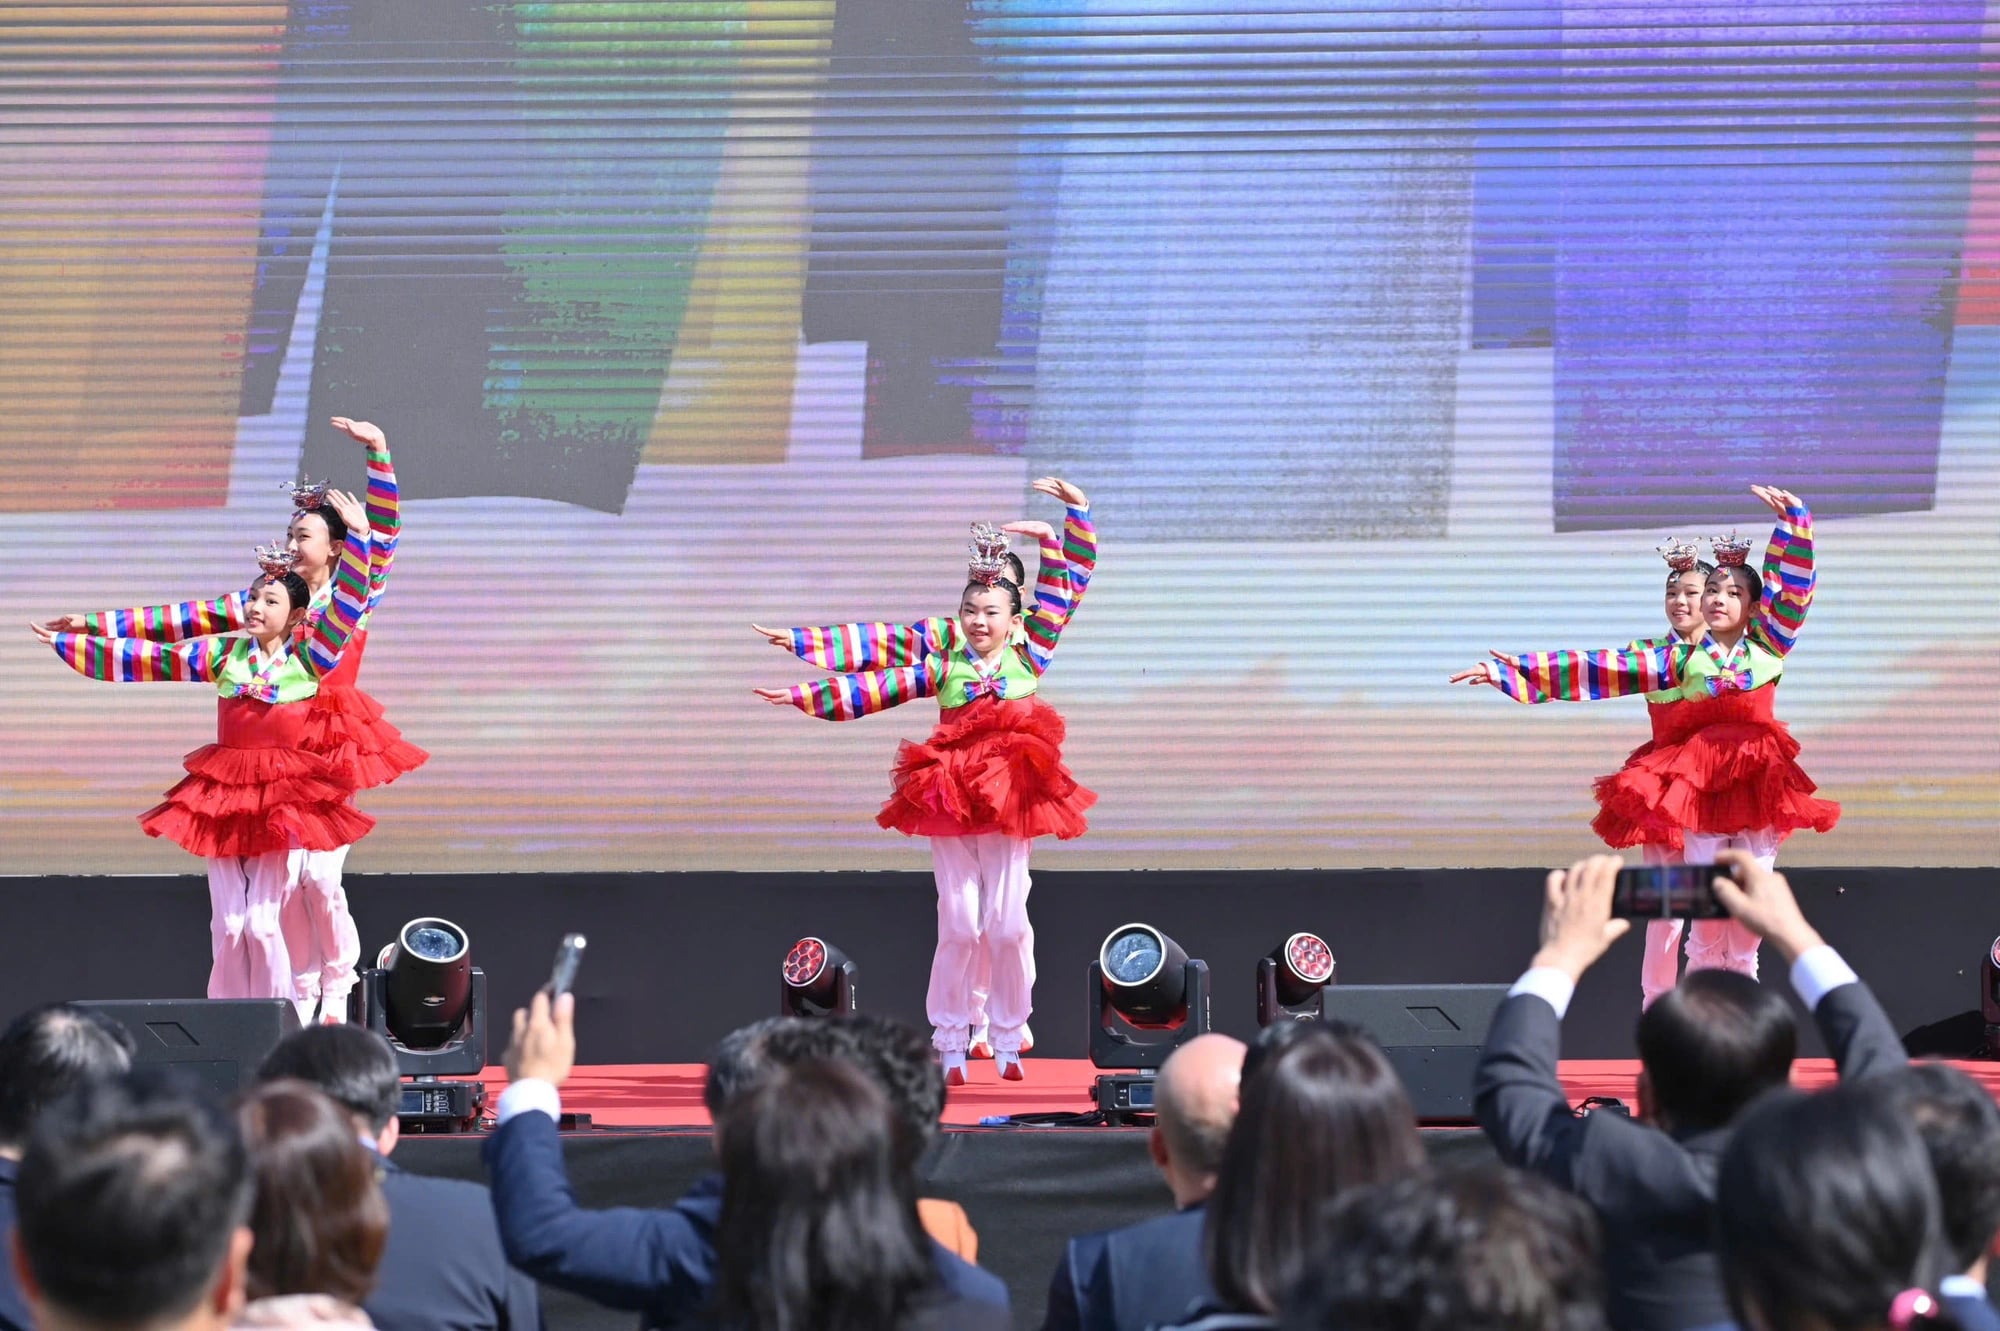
1788, 574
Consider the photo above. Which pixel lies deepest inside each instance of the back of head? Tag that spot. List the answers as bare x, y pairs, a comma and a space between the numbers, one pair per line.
129, 1198
48, 1052
737, 1063
1826, 1211
1196, 1098
1713, 1044
1485, 1249
351, 1065
1322, 1114
319, 1218
896, 1057
1960, 1128
819, 1224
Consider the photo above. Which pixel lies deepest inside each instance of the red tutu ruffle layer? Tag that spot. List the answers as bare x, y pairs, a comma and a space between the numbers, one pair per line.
345, 726
993, 765
247, 801
1714, 765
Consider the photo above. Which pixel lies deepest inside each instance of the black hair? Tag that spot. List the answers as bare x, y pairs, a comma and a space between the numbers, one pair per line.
1017, 568
129, 1196
49, 1051
737, 1062
1753, 586
1960, 1128
819, 1224
336, 526
1826, 1210
896, 1057
1013, 590
351, 1065
1713, 1044
296, 589
1487, 1247
1321, 1113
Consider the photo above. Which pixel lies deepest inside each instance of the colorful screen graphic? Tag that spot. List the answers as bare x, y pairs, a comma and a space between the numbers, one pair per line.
1379, 336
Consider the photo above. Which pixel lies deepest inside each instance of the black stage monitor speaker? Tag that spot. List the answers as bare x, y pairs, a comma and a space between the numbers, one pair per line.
1432, 1033
217, 1042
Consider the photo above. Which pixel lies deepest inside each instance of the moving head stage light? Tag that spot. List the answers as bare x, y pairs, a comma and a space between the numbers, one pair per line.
1292, 980
428, 1000
1149, 998
819, 981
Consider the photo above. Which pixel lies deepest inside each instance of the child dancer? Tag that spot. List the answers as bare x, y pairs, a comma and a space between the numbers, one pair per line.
1721, 770
987, 782
344, 725
254, 796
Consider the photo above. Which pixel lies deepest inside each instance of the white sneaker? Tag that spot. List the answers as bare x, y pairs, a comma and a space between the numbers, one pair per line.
1008, 1066
953, 1063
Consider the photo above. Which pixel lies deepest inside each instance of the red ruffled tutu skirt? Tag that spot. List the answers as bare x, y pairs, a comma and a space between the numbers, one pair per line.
993, 765
255, 790
345, 726
1714, 765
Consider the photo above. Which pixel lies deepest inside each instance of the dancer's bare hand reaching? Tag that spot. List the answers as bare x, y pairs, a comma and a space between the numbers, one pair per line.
352, 511
64, 624
776, 697
1034, 531
364, 432
47, 632
1778, 501
1057, 488
776, 637
1483, 673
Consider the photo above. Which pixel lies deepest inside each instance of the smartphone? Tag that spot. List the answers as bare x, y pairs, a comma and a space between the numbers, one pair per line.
569, 955
1667, 892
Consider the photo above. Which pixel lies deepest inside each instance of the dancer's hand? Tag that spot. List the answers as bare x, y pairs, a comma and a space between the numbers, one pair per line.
366, 432
1778, 501
776, 637
1577, 926
544, 1043
1479, 674
1057, 488
776, 697
65, 624
352, 511
1762, 901
1034, 531
46, 632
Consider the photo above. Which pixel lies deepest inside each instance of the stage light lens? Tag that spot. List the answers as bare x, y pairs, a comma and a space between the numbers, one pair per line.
1309, 958
435, 943
805, 962
1133, 955
1994, 952
427, 991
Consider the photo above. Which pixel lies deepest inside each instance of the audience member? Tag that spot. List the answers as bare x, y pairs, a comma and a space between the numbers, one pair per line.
134, 1200
660, 1263
1960, 1128
1142, 1275
1828, 1218
1485, 1249
1706, 1049
1321, 1114
819, 1224
443, 1269
45, 1054
319, 1218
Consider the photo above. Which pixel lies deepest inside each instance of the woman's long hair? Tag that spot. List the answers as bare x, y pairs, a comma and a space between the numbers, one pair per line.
819, 1227
1321, 1113
1826, 1211
320, 1219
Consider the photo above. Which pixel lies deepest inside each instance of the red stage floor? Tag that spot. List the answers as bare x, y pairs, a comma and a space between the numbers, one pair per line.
668, 1095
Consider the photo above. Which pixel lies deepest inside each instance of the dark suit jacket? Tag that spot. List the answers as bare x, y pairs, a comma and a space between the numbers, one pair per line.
944, 1312
443, 1269
660, 1263
1144, 1275
1653, 1192
1972, 1314
14, 1314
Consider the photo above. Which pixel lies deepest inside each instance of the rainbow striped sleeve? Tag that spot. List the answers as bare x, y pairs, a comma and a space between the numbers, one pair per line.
137, 661
1533, 677
385, 521
344, 608
1788, 580
863, 693
170, 623
1060, 585
877, 646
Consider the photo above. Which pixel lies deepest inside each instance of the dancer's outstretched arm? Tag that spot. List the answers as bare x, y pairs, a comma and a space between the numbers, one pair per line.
174, 622
384, 506
846, 697
1789, 576
1534, 677
138, 661
875, 645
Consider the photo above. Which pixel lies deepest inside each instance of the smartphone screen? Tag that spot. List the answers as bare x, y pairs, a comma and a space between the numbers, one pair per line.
1667, 892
